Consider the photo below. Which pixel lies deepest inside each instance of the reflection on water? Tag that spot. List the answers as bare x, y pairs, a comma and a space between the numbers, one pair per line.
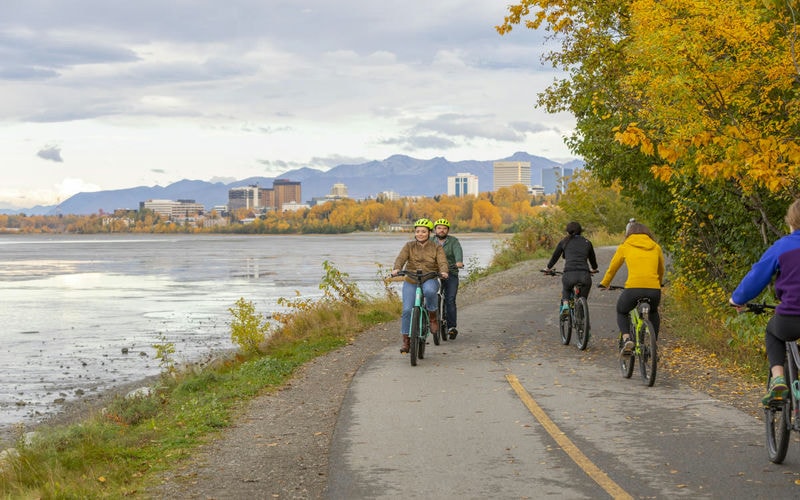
81, 314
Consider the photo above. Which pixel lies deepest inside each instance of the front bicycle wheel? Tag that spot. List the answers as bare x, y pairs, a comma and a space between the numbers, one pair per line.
425, 328
626, 361
582, 322
565, 327
778, 422
415, 335
648, 355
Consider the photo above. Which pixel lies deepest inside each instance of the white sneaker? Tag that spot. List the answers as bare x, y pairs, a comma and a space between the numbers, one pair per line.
627, 347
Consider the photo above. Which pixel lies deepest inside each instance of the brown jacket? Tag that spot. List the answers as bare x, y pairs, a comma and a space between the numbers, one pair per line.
427, 257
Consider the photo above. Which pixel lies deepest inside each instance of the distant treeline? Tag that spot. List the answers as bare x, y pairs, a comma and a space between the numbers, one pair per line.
498, 211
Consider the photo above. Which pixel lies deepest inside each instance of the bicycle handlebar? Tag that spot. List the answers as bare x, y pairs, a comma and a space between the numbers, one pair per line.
756, 308
553, 272
418, 274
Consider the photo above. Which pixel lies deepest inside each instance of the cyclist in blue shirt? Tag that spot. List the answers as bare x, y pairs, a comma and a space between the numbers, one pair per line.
782, 261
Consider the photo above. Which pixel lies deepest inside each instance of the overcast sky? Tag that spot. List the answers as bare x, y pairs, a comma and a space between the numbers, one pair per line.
109, 94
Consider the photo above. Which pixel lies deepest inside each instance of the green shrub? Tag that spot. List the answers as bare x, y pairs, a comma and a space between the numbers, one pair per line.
248, 329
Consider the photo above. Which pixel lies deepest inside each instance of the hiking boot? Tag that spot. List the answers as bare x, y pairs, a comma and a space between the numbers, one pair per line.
406, 344
778, 390
452, 333
434, 321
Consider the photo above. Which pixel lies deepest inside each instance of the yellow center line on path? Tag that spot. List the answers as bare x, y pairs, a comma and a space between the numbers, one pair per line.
593, 471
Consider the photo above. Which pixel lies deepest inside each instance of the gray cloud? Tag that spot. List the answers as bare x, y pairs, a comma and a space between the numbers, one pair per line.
414, 142
52, 153
533, 128
469, 127
35, 55
317, 162
336, 160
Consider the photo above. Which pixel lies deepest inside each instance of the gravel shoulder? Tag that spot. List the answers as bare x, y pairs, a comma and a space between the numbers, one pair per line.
278, 446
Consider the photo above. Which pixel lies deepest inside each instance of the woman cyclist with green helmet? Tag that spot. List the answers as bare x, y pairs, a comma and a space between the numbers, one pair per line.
424, 254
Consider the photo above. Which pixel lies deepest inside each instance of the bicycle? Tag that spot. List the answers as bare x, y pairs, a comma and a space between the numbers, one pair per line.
420, 323
781, 417
644, 342
442, 314
577, 315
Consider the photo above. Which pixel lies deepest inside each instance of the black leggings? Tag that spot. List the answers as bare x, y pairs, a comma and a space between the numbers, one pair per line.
570, 278
627, 301
780, 329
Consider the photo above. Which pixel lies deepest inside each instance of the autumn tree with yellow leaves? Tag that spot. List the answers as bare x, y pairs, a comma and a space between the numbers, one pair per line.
692, 106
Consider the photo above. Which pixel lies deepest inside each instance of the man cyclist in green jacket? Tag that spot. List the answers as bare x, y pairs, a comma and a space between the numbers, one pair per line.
455, 257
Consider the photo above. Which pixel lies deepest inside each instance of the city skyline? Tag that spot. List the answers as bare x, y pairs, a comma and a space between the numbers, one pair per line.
101, 95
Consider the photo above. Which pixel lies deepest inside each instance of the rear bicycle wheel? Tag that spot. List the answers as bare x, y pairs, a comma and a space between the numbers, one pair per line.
778, 423
414, 335
442, 318
582, 323
437, 336
565, 327
648, 355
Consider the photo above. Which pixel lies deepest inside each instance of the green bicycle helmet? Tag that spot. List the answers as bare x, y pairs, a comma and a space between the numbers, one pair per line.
424, 223
441, 222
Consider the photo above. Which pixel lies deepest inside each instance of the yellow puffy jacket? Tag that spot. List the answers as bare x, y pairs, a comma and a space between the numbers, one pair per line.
645, 262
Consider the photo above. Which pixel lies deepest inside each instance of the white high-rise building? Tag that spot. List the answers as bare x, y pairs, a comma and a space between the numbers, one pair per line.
462, 184
508, 173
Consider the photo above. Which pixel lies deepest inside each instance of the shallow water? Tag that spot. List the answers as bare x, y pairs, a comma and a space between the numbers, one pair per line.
80, 314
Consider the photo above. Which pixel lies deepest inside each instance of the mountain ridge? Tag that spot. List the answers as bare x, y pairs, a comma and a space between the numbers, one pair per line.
401, 174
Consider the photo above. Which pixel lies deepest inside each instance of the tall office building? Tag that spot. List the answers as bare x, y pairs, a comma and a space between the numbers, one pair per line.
508, 173
462, 184
243, 197
555, 179
338, 190
286, 191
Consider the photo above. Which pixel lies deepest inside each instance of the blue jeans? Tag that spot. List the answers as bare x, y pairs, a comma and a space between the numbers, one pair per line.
429, 288
450, 292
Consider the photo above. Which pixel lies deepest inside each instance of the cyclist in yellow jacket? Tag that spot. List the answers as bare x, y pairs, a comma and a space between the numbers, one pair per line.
645, 261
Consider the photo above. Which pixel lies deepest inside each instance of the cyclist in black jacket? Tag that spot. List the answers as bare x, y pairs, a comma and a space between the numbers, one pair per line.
578, 254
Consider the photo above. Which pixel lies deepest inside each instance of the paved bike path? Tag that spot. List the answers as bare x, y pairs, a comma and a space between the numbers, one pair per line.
454, 427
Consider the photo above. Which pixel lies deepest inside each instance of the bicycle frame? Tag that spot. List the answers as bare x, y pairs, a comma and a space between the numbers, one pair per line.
638, 314
793, 363
419, 301
420, 322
